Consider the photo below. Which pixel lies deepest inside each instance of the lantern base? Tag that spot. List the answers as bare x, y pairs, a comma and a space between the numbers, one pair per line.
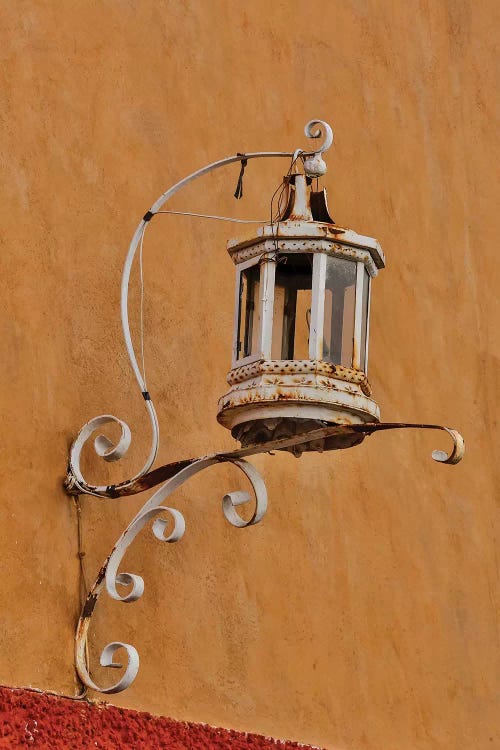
256, 424
269, 400
267, 430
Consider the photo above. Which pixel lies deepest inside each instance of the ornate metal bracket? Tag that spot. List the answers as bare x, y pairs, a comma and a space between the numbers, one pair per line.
171, 476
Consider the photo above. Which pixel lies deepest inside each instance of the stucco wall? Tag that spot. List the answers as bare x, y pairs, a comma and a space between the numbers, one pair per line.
362, 612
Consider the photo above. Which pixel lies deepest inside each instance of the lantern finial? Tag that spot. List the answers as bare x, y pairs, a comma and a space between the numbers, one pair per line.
315, 165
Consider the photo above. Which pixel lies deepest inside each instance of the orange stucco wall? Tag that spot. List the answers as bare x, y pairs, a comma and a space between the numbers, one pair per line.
361, 613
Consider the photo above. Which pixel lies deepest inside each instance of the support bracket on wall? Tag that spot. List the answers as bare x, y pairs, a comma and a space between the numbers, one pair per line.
171, 477
128, 587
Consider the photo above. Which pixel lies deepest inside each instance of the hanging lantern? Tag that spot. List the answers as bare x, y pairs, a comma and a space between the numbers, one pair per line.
300, 351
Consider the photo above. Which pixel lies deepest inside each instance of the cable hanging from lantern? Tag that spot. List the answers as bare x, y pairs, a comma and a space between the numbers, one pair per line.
280, 191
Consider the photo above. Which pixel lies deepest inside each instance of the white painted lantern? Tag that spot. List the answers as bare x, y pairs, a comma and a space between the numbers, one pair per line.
300, 351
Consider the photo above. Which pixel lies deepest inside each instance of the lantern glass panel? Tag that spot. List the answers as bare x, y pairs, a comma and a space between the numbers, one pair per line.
249, 312
340, 303
292, 306
364, 320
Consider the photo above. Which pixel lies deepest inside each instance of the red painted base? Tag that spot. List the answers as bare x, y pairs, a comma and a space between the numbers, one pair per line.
29, 719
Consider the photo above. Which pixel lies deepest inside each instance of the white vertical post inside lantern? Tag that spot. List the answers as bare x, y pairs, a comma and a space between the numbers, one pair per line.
267, 277
358, 316
317, 306
368, 325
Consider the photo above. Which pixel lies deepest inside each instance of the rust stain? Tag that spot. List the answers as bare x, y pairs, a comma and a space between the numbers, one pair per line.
295, 367
355, 353
88, 608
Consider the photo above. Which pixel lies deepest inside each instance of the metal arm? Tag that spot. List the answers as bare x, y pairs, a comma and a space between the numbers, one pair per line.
104, 448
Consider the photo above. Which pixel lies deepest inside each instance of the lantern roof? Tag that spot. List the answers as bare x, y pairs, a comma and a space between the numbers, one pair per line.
306, 216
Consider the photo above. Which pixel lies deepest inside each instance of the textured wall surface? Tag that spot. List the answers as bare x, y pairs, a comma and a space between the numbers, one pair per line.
362, 613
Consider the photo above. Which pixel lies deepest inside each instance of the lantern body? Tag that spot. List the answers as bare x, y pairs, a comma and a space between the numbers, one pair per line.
300, 350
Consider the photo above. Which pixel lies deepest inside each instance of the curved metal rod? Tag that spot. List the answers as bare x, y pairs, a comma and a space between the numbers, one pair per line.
102, 445
162, 473
109, 576
442, 457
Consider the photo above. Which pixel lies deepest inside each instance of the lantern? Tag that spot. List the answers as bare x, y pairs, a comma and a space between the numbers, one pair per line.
300, 347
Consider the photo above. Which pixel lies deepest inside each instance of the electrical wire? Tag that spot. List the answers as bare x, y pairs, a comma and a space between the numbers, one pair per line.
280, 191
141, 269
209, 216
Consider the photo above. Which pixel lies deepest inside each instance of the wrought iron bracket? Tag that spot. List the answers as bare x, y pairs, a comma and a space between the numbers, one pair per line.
170, 477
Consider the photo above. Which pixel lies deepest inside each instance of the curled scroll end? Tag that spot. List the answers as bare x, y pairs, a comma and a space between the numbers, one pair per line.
456, 454
103, 446
131, 670
233, 499
107, 450
126, 579
229, 504
314, 164
160, 525
323, 128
